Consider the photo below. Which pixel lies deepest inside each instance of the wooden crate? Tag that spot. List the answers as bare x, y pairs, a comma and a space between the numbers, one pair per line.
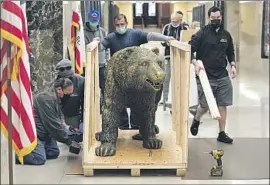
185, 35
130, 154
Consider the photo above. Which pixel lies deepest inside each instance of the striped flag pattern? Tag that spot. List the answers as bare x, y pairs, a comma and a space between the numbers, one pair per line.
77, 37
14, 31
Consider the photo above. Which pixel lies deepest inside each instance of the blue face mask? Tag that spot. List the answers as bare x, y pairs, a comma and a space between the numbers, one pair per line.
121, 30
175, 25
94, 24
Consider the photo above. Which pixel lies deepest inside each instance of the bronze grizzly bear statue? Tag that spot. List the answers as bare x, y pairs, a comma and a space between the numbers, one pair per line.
134, 79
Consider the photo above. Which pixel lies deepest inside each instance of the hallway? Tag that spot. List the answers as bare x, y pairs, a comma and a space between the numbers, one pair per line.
247, 118
246, 161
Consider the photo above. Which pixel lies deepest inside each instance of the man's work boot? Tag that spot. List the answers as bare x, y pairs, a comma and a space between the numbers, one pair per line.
194, 127
223, 137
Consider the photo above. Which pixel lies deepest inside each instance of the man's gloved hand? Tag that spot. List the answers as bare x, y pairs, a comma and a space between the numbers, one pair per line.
80, 129
75, 148
73, 129
170, 38
69, 130
64, 125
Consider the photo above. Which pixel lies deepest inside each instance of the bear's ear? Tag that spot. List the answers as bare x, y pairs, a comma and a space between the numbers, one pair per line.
155, 50
130, 50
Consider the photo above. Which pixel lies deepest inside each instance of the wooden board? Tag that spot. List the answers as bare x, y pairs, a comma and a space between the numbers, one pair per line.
210, 99
185, 35
131, 155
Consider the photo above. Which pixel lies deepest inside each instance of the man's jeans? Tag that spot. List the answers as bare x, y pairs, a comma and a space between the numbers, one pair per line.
43, 151
166, 84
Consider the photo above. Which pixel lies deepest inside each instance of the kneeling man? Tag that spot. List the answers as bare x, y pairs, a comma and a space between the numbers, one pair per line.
50, 123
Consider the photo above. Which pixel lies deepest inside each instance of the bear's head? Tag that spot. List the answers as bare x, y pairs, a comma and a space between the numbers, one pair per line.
137, 68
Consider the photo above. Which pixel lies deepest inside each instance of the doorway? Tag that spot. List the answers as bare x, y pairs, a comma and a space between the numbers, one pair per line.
145, 13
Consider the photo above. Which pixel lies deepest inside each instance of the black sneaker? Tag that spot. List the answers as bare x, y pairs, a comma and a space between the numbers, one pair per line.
223, 137
194, 127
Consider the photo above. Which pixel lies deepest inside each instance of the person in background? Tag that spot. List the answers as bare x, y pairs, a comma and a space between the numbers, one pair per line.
172, 29
214, 49
72, 104
92, 30
50, 124
183, 24
123, 38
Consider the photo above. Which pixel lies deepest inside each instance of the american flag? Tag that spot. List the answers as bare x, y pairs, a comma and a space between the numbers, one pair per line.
14, 33
77, 38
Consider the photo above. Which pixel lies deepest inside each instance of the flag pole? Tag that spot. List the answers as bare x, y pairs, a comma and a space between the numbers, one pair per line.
10, 154
75, 37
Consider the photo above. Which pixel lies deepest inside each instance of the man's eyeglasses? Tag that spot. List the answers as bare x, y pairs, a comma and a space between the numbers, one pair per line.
61, 69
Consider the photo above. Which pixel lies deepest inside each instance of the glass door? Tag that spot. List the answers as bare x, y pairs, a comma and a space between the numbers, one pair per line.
145, 13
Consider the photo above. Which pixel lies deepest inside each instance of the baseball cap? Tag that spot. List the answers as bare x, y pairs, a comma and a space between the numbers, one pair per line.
93, 15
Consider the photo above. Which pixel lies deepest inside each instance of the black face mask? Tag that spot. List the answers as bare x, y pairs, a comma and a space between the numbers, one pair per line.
65, 97
215, 23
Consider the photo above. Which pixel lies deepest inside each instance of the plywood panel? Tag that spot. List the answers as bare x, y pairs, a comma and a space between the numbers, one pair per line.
131, 155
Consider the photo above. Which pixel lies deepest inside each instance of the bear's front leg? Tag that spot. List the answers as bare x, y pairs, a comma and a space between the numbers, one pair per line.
110, 119
147, 130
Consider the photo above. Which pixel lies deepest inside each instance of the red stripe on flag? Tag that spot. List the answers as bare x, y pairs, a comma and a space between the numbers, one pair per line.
11, 29
75, 17
3, 78
25, 80
27, 122
15, 9
21, 112
3, 51
15, 135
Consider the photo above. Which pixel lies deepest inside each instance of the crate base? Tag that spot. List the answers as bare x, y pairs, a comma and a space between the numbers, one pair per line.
131, 155
134, 172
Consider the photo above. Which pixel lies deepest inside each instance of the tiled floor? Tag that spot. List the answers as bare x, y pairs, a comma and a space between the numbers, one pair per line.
249, 117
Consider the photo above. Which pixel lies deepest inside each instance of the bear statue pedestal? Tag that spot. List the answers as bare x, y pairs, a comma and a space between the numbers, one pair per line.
130, 153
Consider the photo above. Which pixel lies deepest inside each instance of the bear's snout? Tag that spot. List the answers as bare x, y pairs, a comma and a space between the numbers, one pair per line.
158, 74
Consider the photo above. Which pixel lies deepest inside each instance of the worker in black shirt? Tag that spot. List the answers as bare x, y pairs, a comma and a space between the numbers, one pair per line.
214, 48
